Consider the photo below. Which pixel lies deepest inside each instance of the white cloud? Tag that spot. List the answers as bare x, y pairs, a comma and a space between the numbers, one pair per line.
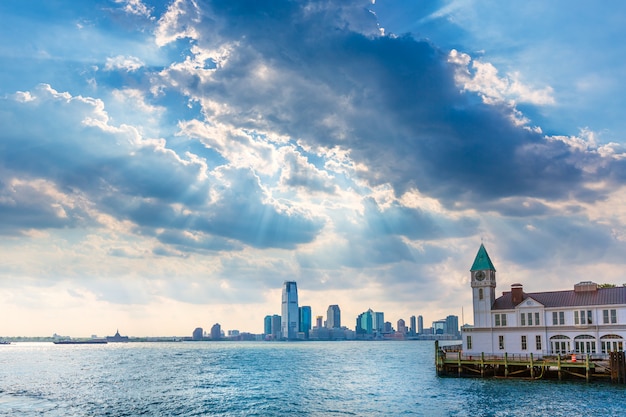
135, 7
482, 77
126, 63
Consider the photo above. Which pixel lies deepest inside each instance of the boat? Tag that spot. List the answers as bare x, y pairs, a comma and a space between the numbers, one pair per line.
4, 342
81, 342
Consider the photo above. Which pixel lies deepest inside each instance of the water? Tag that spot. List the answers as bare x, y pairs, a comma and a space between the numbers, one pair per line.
272, 379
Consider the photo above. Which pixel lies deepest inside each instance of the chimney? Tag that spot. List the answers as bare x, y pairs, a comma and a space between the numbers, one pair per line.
517, 294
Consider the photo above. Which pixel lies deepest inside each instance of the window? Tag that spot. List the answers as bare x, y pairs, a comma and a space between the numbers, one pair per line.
524, 343
530, 319
536, 319
612, 343
469, 342
558, 318
538, 342
523, 319
501, 342
613, 316
560, 344
500, 319
504, 319
583, 317
480, 293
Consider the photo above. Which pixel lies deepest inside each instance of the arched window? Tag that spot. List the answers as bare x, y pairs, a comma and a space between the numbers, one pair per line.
612, 343
480, 293
559, 344
585, 344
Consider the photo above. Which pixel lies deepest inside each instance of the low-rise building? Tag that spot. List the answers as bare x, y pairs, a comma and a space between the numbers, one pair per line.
586, 319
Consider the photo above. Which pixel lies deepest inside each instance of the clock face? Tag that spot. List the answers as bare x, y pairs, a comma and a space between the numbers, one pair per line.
480, 275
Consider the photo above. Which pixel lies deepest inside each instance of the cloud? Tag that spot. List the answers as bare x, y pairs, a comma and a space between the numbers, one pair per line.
391, 102
128, 64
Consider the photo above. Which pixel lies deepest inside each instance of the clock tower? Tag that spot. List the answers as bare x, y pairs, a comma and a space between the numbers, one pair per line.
483, 279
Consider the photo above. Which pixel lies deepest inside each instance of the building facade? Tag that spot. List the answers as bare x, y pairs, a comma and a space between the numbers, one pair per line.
586, 319
305, 321
290, 314
216, 332
333, 317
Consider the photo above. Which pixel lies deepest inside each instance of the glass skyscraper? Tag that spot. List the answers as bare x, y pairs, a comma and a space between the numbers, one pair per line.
305, 320
290, 313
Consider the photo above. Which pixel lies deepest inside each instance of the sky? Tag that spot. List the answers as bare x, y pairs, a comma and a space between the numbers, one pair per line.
167, 165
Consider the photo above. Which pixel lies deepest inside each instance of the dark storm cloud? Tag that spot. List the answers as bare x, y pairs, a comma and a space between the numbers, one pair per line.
318, 71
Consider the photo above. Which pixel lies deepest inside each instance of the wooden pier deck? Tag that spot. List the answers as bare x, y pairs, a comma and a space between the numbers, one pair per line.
455, 363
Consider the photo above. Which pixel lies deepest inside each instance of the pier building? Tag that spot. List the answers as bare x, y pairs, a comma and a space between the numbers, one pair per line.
587, 319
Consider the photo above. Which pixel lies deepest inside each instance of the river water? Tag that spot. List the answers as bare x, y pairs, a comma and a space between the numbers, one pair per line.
272, 379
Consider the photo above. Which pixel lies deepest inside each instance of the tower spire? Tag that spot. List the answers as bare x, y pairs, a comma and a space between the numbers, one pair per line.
482, 261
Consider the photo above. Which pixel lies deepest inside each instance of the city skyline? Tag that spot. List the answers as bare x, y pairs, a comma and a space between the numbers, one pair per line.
168, 164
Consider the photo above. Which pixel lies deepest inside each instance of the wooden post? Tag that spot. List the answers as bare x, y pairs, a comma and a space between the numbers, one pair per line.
506, 365
558, 367
482, 364
587, 373
459, 363
437, 358
532, 367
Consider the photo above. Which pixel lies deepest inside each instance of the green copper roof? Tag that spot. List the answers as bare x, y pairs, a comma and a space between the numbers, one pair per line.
482, 260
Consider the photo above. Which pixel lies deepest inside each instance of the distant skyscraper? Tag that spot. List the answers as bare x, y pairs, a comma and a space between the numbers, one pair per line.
452, 325
267, 325
318, 321
290, 313
364, 323
333, 317
379, 322
276, 326
413, 329
216, 332
305, 320
420, 324
402, 327
197, 334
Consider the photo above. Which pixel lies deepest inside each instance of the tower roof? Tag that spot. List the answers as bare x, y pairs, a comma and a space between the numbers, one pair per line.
482, 260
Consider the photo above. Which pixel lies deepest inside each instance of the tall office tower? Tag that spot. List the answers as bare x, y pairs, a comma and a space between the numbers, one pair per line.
290, 316
452, 325
420, 324
413, 330
305, 320
267, 325
364, 323
276, 327
318, 321
402, 326
197, 334
379, 322
333, 317
216, 332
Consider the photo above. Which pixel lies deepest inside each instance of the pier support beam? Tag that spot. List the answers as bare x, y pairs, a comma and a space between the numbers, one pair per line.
482, 364
506, 364
532, 366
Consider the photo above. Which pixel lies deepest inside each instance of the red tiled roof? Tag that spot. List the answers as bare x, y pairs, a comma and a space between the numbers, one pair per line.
602, 296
